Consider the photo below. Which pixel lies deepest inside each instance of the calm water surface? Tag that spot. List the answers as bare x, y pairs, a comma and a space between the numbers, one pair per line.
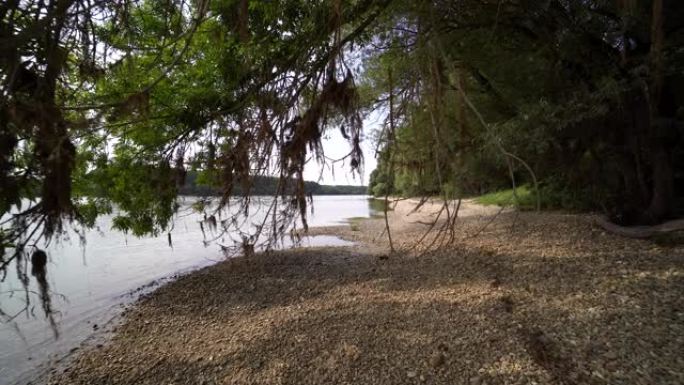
92, 282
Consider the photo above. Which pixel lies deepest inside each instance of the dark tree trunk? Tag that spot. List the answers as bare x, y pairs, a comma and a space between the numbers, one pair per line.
662, 199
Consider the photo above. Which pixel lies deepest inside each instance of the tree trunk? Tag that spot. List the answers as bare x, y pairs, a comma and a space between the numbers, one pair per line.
243, 21
662, 197
663, 186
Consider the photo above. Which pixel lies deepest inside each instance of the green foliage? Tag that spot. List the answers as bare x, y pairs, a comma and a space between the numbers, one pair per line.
380, 183
197, 185
552, 194
552, 84
381, 189
150, 209
525, 198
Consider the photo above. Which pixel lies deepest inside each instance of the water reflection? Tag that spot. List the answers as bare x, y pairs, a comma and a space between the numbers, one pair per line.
376, 206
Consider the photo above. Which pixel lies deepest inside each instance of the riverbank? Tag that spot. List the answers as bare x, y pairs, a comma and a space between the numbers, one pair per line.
533, 298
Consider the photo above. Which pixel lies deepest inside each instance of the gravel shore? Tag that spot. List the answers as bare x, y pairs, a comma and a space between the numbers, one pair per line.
531, 299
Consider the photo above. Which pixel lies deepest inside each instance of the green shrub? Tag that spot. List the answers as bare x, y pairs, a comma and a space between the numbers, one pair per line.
526, 198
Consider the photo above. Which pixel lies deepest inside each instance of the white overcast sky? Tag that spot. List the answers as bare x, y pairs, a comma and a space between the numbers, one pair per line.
335, 147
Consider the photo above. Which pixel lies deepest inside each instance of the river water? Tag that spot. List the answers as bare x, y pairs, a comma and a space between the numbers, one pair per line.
91, 282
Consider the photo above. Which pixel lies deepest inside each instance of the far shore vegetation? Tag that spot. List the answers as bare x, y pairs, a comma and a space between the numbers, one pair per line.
264, 185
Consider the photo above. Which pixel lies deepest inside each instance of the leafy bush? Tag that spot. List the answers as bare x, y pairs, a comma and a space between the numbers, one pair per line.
504, 198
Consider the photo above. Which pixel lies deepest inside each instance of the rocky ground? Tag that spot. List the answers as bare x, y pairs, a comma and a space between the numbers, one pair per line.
529, 299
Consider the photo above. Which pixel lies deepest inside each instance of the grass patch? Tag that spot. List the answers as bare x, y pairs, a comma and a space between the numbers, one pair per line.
526, 198
355, 223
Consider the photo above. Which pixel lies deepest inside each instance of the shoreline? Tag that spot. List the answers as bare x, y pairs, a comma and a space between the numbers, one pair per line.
535, 297
104, 331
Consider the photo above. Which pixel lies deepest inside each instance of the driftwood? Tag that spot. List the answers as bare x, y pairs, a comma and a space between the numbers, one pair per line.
641, 232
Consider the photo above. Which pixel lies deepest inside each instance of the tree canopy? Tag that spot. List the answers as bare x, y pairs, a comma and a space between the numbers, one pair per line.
110, 103
582, 96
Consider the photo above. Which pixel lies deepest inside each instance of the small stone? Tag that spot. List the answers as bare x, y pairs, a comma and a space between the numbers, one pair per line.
256, 364
411, 374
612, 366
437, 360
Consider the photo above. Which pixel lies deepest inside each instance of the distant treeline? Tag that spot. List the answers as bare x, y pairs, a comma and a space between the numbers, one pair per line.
264, 185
